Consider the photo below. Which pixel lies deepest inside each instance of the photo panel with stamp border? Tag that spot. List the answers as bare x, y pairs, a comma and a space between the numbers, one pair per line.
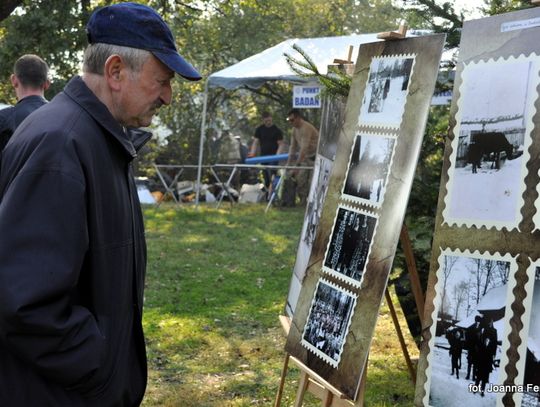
470, 287
492, 138
528, 365
386, 91
369, 166
350, 244
328, 321
347, 377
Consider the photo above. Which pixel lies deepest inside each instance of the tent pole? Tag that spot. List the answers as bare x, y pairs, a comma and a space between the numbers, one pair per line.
201, 146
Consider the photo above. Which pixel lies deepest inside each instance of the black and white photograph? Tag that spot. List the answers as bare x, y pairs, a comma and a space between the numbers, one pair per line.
469, 339
490, 148
386, 91
332, 119
529, 362
315, 202
368, 169
328, 322
349, 246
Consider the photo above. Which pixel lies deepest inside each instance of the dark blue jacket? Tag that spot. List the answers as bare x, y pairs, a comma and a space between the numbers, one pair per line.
12, 116
72, 259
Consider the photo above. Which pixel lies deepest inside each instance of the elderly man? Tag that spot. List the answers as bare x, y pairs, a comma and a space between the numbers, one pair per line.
72, 248
30, 81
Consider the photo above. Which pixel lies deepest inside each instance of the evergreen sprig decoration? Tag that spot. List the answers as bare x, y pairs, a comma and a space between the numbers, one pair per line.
335, 83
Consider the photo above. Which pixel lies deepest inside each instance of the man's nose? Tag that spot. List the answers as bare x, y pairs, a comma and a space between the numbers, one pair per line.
166, 94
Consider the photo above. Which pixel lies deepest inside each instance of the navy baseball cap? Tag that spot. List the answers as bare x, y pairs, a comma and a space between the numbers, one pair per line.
138, 26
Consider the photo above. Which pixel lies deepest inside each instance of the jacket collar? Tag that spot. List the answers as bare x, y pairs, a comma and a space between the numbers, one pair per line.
77, 90
32, 98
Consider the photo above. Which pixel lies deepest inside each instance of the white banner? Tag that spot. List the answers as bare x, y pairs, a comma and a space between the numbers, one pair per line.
307, 97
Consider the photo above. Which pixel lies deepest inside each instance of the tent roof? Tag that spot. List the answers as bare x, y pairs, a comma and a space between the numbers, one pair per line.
271, 65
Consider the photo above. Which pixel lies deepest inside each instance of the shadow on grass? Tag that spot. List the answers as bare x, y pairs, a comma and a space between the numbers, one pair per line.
216, 282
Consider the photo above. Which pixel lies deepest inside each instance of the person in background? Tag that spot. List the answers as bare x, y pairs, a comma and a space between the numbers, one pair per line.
72, 246
268, 139
30, 80
302, 151
472, 341
456, 347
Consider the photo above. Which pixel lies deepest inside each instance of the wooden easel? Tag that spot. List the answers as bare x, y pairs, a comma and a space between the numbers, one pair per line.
311, 382
395, 35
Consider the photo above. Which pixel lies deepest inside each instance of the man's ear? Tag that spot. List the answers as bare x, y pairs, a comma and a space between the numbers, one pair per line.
14, 81
114, 71
46, 84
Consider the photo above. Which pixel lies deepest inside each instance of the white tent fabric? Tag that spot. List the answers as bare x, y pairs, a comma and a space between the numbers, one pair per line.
271, 65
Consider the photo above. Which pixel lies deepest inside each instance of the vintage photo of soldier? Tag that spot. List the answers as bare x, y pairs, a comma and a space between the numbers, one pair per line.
369, 165
349, 246
328, 322
386, 91
491, 141
468, 344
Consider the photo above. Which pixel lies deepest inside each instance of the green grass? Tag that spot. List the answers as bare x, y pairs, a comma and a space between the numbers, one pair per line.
217, 281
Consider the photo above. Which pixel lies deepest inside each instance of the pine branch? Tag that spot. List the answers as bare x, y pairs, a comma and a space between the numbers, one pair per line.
335, 82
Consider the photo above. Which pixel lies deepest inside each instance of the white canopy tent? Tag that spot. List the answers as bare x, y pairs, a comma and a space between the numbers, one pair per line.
271, 65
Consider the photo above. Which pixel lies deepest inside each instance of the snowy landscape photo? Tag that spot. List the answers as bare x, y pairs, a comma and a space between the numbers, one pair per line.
490, 148
368, 169
386, 91
328, 321
315, 202
529, 362
349, 246
469, 337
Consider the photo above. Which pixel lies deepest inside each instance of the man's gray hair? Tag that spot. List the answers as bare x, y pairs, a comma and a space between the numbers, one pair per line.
96, 55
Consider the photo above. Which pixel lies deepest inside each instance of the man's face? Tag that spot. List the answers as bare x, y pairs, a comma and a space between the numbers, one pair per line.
293, 120
144, 93
267, 121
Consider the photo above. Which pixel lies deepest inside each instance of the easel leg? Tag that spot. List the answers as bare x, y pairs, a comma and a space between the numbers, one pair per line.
416, 287
327, 399
282, 381
302, 387
412, 372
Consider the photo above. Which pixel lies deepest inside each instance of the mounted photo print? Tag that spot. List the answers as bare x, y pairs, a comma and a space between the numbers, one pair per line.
469, 340
528, 366
328, 322
386, 91
362, 215
349, 245
317, 193
369, 166
492, 138
487, 219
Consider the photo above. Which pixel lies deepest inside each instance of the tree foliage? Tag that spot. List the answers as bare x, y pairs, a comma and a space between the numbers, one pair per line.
212, 35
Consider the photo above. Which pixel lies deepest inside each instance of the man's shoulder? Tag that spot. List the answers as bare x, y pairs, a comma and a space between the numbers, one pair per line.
5, 113
312, 128
277, 130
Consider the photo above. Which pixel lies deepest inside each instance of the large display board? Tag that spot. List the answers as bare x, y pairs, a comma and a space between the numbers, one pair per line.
481, 337
363, 211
